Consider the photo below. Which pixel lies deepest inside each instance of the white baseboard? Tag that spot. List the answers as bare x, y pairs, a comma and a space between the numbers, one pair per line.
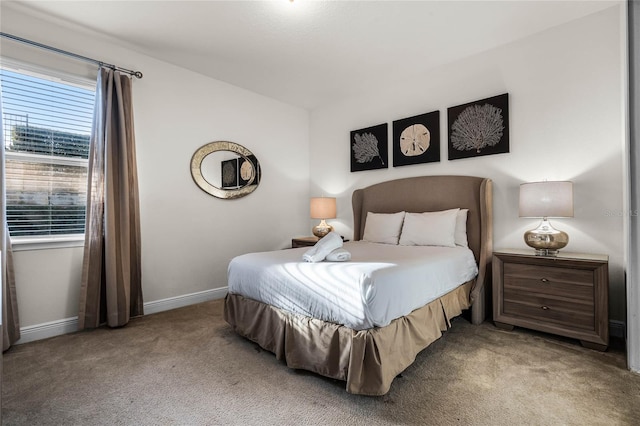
69, 325
184, 300
48, 329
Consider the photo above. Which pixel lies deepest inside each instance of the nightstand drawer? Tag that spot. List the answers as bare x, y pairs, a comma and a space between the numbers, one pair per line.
307, 241
558, 311
574, 284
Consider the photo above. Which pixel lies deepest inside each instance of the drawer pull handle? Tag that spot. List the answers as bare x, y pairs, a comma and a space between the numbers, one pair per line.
544, 280
544, 308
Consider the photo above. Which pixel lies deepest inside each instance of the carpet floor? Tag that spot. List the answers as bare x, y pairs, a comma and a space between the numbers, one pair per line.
187, 367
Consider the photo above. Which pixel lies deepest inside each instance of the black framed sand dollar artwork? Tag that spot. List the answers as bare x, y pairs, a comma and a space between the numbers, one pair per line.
246, 168
416, 140
479, 128
369, 148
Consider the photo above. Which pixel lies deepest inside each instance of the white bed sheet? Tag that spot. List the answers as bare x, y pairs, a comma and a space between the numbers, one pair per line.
382, 282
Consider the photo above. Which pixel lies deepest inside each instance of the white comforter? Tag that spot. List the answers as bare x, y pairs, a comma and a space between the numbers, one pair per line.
382, 282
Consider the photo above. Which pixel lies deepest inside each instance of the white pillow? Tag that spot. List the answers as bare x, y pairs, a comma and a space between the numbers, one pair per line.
430, 228
383, 227
460, 235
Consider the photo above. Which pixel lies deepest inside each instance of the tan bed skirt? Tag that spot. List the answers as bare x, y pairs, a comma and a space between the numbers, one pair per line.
368, 360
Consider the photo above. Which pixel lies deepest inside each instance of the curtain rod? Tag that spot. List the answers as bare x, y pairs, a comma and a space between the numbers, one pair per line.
136, 74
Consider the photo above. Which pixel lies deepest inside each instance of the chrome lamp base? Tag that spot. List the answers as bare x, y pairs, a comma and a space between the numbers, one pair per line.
545, 239
322, 229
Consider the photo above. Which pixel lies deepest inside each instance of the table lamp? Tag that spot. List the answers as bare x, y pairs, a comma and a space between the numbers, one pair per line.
322, 208
546, 199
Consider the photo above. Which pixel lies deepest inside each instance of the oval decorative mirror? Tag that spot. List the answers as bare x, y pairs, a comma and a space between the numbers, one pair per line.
225, 169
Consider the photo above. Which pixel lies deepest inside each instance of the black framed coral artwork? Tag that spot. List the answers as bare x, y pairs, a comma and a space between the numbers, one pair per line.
369, 148
416, 139
479, 128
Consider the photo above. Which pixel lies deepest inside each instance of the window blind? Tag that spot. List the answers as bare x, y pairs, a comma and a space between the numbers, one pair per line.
46, 131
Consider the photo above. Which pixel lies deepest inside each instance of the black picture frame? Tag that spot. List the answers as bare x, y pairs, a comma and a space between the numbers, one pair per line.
416, 140
229, 173
479, 128
254, 163
369, 148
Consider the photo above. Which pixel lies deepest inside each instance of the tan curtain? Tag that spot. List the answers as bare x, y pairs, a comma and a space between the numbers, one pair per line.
111, 290
10, 322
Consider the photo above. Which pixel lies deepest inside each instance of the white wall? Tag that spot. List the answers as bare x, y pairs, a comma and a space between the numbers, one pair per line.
188, 236
565, 99
565, 90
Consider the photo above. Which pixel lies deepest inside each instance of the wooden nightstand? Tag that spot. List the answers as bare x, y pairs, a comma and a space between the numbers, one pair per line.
566, 295
304, 242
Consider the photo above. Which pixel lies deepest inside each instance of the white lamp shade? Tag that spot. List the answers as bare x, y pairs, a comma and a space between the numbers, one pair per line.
323, 208
546, 199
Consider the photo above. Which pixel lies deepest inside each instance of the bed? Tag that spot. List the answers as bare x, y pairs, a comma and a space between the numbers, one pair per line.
376, 338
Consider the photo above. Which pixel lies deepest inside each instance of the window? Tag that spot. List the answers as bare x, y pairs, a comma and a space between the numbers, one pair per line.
46, 129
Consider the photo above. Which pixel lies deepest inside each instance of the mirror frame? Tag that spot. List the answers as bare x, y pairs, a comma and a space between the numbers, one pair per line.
211, 147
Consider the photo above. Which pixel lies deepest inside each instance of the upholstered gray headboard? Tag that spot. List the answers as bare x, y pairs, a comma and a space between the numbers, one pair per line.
434, 193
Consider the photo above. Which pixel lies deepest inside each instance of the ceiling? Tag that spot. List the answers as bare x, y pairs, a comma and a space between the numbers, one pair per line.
307, 53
